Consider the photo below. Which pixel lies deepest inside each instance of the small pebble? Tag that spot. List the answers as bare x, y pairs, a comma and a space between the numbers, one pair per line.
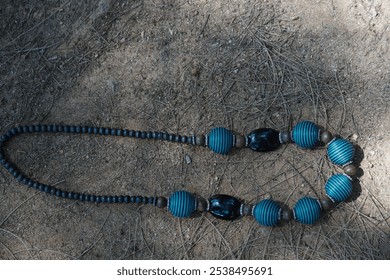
187, 159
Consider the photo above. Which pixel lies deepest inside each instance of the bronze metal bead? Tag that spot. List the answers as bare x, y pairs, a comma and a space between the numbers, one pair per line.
200, 140
240, 141
201, 205
246, 209
350, 170
326, 203
161, 202
287, 214
285, 137
326, 137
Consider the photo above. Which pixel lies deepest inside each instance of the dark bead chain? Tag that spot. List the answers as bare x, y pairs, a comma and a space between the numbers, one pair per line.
220, 140
160, 202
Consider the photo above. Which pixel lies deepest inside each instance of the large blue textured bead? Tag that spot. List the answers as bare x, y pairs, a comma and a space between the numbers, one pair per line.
340, 151
267, 212
181, 204
338, 187
220, 140
307, 210
305, 134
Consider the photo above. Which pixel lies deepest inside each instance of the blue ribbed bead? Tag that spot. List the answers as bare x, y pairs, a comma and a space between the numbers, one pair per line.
307, 210
220, 140
267, 212
340, 151
305, 134
181, 204
338, 187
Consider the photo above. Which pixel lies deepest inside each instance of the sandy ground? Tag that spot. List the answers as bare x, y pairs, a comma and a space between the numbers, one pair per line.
186, 67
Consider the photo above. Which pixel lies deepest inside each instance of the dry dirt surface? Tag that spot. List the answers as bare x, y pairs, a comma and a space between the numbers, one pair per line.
186, 67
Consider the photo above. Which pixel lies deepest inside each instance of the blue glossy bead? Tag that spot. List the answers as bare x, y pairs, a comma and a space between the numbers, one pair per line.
305, 134
263, 139
220, 140
338, 187
267, 212
181, 204
224, 206
307, 210
340, 151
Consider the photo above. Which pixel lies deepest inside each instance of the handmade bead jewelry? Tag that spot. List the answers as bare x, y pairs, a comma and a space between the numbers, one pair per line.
183, 204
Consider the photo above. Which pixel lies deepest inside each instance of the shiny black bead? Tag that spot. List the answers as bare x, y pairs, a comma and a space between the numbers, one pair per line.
263, 139
224, 206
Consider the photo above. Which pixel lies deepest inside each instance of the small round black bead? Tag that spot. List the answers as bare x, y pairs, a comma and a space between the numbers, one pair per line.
151, 200
41, 187
78, 129
76, 196
125, 132
43, 128
159, 135
88, 197
115, 199
113, 132
171, 137
126, 199
58, 193
132, 199
53, 191
60, 128
46, 189
132, 133
30, 183
50, 128
143, 134
14, 131
84, 129
98, 199
21, 178
72, 129
165, 136
107, 131
30, 128
64, 194
178, 138
138, 134
67, 128
145, 200
93, 198
19, 129
138, 199
154, 134
90, 130
109, 199
82, 197
148, 135
25, 129
70, 195
119, 132
120, 199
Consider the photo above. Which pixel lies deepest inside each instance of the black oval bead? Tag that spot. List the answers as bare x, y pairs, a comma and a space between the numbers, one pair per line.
224, 206
263, 139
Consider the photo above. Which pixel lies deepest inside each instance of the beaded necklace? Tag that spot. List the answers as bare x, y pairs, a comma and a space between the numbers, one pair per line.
183, 204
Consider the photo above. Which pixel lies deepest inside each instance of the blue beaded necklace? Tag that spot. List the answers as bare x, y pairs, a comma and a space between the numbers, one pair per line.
183, 204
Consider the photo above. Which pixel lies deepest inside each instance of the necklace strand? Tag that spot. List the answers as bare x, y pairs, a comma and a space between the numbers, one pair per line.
183, 204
